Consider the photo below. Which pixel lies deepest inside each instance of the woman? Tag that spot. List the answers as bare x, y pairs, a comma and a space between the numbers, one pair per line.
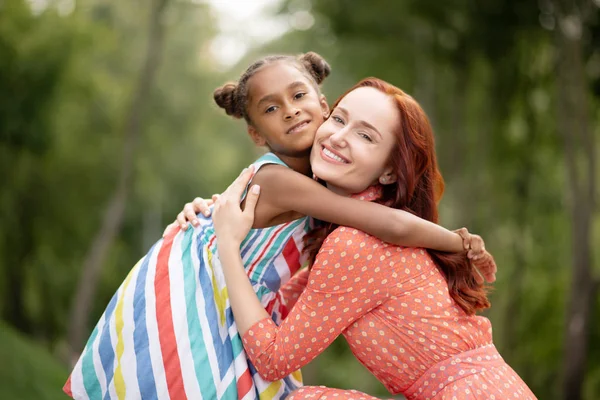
408, 316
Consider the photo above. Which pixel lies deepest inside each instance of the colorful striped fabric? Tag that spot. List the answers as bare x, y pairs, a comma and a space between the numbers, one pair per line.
169, 333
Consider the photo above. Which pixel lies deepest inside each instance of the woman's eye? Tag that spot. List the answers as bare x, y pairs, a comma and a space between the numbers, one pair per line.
365, 136
337, 119
270, 109
299, 95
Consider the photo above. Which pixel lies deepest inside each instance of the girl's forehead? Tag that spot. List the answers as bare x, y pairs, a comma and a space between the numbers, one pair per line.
276, 78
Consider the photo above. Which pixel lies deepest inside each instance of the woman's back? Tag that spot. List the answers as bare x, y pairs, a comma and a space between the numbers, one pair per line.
417, 324
415, 339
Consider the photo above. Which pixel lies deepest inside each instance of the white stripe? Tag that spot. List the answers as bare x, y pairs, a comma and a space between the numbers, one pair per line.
206, 333
129, 360
180, 323
113, 343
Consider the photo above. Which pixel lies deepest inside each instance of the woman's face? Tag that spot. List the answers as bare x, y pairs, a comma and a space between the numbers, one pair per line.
353, 147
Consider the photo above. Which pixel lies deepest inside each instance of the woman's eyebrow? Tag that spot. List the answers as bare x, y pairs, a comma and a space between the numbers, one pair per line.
363, 123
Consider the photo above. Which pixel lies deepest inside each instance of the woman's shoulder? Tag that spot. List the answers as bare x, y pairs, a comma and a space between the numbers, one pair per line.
355, 240
351, 239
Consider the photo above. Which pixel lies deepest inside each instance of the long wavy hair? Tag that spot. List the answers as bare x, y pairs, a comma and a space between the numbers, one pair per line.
418, 189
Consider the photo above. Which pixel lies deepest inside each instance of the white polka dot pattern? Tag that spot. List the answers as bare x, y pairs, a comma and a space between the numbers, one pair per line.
393, 307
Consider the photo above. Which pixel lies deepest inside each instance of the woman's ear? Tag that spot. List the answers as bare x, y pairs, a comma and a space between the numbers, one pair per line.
256, 137
388, 177
324, 106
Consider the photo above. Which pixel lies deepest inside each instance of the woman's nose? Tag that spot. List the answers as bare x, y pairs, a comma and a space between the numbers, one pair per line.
338, 139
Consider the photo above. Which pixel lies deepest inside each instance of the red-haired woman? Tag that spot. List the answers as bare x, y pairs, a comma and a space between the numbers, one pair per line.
408, 314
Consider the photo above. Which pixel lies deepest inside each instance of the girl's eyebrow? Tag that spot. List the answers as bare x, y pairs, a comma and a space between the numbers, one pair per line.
363, 123
272, 97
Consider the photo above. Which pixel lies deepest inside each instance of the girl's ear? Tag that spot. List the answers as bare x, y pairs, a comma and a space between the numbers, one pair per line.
388, 176
324, 106
255, 136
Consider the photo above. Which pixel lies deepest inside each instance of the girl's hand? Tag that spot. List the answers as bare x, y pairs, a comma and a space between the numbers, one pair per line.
480, 258
189, 214
231, 223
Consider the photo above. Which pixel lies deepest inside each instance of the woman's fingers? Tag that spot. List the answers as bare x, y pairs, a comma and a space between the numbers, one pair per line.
201, 206
182, 221
236, 189
251, 200
189, 213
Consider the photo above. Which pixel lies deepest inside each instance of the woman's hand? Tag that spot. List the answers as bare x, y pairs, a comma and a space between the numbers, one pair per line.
231, 223
480, 258
189, 213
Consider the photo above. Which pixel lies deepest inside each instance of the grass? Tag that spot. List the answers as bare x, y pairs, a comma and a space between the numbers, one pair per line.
28, 370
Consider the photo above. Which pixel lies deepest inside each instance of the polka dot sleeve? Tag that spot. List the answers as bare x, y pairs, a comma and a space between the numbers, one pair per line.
348, 280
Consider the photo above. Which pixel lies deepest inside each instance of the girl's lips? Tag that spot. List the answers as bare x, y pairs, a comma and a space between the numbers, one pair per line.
332, 156
298, 127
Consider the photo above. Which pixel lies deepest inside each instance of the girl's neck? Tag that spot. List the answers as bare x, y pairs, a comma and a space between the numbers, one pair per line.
298, 164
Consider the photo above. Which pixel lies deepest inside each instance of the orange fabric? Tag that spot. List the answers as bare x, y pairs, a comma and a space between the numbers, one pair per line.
393, 307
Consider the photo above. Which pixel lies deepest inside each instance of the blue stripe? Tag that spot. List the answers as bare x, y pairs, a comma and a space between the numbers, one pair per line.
197, 345
223, 349
271, 277
248, 242
145, 374
105, 347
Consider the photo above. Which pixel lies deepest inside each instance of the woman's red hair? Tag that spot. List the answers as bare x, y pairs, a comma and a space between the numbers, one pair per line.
418, 189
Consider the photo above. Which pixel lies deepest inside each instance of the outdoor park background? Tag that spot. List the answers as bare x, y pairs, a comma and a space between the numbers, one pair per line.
107, 127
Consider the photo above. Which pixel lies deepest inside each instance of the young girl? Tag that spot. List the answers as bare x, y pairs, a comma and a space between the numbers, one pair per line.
408, 316
169, 332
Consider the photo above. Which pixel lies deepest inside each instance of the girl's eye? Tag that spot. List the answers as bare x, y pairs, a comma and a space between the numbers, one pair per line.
365, 136
270, 109
299, 95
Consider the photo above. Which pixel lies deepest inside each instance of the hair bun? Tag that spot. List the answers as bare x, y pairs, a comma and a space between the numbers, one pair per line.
316, 65
225, 97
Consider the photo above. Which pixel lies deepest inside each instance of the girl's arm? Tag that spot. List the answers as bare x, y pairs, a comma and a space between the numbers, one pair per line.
287, 190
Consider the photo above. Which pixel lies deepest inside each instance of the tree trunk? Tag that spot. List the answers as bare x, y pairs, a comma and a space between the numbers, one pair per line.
574, 127
114, 213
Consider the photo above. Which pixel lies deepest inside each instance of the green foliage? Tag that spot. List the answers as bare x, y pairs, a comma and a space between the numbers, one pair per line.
27, 370
484, 71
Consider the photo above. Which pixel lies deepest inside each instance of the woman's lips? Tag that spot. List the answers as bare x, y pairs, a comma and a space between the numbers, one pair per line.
332, 156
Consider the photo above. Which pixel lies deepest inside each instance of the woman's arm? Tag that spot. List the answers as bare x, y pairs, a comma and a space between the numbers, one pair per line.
337, 293
287, 190
334, 298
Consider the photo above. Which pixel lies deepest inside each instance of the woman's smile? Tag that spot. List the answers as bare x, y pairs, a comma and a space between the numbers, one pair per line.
332, 156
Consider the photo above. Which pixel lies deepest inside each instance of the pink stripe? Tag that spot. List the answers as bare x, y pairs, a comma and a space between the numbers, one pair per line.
265, 248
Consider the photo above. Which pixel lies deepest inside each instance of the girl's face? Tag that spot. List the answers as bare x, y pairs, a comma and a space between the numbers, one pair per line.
353, 147
285, 109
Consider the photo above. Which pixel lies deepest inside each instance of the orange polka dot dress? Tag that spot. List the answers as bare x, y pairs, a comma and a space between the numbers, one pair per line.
393, 307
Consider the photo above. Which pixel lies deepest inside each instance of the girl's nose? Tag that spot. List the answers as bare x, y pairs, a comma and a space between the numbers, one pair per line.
292, 113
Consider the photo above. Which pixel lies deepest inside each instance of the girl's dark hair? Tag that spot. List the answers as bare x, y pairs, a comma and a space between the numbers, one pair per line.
418, 189
233, 96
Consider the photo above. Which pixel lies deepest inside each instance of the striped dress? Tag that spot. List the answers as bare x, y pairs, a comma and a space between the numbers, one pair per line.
169, 333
